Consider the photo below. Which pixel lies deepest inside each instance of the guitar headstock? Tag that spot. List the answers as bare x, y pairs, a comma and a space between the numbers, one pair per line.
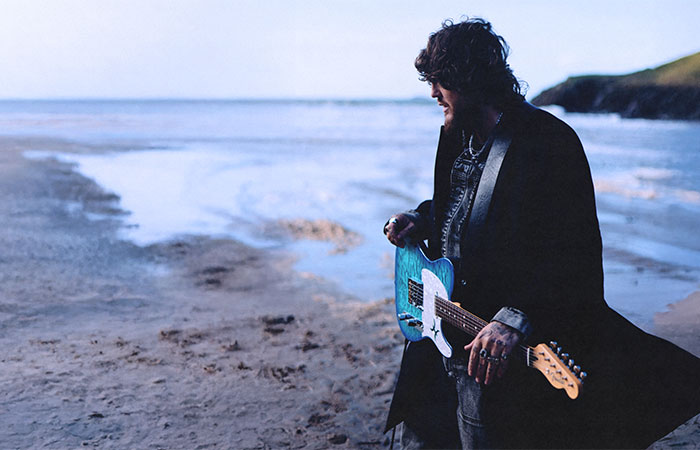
559, 368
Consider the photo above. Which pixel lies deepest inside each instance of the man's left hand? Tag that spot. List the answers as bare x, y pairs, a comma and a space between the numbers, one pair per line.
489, 352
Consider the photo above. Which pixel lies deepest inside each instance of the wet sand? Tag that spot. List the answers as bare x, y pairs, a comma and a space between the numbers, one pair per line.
194, 343
680, 324
199, 342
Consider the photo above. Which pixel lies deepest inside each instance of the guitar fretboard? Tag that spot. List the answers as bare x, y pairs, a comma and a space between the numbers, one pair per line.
461, 318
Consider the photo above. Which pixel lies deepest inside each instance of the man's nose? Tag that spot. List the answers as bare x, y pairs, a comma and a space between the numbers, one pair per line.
434, 92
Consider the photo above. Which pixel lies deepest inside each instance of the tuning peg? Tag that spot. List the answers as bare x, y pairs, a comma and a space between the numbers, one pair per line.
564, 356
553, 345
577, 369
558, 350
571, 363
583, 376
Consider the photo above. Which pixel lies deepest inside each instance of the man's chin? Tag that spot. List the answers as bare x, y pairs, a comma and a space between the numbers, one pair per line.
449, 123
452, 126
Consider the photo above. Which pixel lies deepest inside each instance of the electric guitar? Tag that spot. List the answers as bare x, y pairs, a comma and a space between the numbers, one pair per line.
423, 288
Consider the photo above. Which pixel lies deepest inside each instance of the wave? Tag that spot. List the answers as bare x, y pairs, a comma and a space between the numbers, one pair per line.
643, 183
607, 120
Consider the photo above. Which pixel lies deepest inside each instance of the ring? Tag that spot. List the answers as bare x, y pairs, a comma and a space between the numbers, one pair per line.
393, 220
504, 357
483, 353
493, 360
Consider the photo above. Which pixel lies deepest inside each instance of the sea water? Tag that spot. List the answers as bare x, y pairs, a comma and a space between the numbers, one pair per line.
234, 168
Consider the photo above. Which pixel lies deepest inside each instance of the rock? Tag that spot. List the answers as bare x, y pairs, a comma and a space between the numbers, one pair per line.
671, 91
278, 320
338, 439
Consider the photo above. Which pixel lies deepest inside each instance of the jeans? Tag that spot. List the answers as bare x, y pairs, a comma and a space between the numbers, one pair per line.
470, 410
472, 429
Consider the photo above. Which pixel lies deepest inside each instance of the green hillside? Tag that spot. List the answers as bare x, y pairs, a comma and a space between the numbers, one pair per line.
682, 72
670, 91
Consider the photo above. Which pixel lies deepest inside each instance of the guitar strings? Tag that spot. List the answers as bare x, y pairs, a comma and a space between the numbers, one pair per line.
453, 313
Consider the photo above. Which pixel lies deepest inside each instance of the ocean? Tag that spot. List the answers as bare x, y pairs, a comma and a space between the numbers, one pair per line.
235, 168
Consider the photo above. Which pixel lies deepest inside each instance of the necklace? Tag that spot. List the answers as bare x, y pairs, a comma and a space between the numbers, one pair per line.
469, 147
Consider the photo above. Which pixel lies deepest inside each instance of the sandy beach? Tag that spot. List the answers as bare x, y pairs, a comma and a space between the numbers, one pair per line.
198, 342
193, 343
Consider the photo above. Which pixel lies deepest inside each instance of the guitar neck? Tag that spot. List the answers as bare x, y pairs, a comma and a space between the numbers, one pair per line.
472, 324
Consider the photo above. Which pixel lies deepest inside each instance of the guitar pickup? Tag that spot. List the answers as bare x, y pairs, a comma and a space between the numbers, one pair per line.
415, 292
415, 323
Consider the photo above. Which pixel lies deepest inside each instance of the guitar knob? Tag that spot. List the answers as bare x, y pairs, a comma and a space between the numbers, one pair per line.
577, 369
564, 356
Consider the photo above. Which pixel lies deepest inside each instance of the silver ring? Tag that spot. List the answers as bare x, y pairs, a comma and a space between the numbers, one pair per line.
504, 357
483, 353
493, 360
393, 220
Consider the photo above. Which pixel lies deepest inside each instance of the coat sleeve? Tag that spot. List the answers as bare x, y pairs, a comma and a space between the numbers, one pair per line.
421, 218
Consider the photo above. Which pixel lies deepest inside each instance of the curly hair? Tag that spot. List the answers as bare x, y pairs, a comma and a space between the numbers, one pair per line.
469, 57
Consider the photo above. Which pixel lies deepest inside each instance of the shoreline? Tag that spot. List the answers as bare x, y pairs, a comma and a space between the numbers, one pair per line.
681, 323
193, 342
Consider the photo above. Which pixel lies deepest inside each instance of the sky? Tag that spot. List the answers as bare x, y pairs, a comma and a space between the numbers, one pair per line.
313, 48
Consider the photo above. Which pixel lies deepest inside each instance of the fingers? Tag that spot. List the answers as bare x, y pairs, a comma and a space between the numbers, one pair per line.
491, 369
473, 350
478, 354
482, 366
504, 363
489, 365
497, 363
401, 236
488, 353
505, 355
398, 228
393, 235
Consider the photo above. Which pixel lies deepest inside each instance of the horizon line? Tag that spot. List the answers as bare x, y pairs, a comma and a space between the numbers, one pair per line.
217, 99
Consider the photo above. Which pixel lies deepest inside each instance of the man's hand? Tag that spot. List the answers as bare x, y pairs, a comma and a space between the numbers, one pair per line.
399, 227
489, 352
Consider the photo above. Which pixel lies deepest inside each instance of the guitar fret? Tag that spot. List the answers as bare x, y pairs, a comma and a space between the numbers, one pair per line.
461, 318
452, 313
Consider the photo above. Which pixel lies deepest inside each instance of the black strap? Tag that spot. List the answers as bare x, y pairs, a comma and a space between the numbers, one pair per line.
482, 200
484, 192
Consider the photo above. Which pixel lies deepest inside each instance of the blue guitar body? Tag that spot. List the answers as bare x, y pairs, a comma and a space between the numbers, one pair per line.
418, 282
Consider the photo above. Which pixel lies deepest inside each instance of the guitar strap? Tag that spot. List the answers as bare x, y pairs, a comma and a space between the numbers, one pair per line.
482, 200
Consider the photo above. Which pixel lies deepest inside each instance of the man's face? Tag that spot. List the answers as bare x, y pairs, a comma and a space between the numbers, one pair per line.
461, 111
454, 105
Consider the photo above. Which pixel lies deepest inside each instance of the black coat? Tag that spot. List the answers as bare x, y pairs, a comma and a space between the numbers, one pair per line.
541, 253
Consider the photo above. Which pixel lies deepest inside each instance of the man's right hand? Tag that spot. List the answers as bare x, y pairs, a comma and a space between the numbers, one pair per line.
398, 228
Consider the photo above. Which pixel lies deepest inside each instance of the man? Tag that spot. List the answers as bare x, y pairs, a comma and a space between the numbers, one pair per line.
533, 266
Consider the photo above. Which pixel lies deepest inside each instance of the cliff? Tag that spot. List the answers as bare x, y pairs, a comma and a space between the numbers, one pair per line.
670, 91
